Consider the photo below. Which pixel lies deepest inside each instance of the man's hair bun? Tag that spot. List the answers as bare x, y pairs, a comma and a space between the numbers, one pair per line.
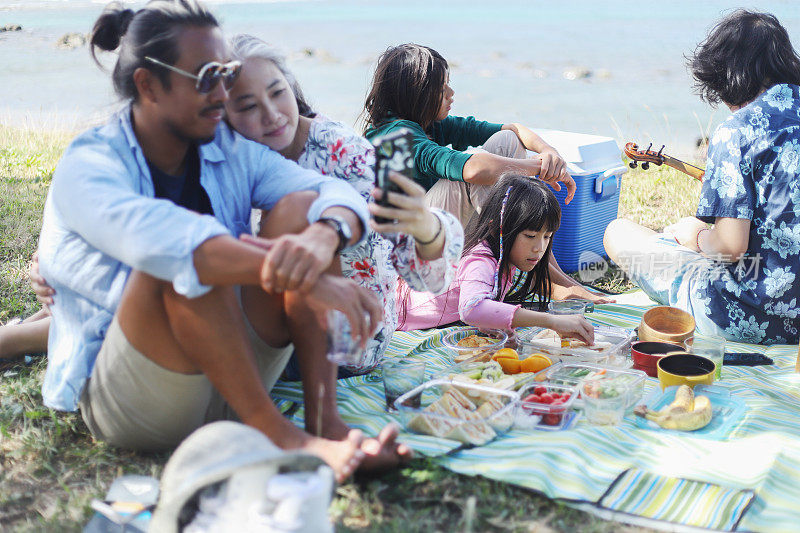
110, 27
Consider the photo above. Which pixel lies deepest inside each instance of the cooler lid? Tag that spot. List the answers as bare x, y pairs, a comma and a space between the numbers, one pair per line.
585, 154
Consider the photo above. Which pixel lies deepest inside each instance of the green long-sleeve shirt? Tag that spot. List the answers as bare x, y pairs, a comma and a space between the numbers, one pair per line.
432, 157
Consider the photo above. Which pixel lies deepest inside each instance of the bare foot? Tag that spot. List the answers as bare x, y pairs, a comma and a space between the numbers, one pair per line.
384, 452
344, 456
380, 454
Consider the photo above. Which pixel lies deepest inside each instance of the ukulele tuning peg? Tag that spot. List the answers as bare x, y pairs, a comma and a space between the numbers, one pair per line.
633, 164
645, 165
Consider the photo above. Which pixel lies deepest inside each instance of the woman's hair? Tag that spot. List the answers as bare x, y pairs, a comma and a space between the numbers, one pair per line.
246, 46
151, 31
745, 53
531, 205
408, 84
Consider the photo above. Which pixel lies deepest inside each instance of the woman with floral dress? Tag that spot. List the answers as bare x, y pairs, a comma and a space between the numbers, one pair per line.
740, 277
266, 105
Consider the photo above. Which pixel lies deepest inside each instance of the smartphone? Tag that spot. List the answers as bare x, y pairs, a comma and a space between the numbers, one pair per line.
393, 151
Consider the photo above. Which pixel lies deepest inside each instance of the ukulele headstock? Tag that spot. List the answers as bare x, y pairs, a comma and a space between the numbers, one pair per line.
647, 156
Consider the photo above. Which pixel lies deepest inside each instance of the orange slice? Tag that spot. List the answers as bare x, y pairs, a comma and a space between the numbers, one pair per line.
505, 353
509, 365
534, 363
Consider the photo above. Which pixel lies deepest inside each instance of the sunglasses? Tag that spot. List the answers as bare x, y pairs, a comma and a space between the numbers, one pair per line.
209, 76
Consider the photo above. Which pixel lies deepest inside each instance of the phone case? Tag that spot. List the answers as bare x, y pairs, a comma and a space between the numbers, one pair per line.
393, 151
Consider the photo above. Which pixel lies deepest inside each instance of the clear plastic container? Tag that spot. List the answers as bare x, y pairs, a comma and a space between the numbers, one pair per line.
496, 339
471, 414
615, 346
533, 413
488, 373
600, 407
578, 373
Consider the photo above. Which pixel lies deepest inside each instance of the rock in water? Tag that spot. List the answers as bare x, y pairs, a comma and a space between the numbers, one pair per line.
68, 41
579, 73
10, 27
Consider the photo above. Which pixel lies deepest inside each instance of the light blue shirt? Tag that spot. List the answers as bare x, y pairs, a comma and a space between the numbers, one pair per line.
101, 220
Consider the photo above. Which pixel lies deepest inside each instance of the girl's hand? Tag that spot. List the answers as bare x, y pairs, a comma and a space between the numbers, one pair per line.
44, 292
685, 231
409, 210
573, 326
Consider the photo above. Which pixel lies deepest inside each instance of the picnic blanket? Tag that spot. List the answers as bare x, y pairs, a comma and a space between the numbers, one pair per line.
748, 481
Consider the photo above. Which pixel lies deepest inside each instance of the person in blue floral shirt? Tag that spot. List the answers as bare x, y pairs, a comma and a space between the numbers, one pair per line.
739, 277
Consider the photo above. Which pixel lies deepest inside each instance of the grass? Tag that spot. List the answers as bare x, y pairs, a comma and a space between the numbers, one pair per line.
51, 468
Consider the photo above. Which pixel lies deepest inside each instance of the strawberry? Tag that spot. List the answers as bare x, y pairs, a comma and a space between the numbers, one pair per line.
540, 390
533, 398
546, 398
551, 420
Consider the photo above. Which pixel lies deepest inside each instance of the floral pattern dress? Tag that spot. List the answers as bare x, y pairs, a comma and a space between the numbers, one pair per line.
753, 172
377, 263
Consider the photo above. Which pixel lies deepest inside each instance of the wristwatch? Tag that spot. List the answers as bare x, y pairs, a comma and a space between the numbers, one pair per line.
342, 229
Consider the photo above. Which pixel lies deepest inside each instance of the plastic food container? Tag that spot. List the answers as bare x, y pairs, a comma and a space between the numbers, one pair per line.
534, 412
496, 339
578, 373
471, 414
488, 373
616, 350
605, 400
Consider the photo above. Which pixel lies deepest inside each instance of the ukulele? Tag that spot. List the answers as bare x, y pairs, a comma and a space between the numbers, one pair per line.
659, 158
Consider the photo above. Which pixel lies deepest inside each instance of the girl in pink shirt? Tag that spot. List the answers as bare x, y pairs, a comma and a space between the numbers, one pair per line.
513, 232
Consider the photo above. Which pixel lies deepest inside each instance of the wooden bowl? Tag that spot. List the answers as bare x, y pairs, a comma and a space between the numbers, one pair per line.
666, 324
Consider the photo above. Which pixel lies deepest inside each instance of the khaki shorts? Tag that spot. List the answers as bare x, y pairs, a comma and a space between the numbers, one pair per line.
132, 402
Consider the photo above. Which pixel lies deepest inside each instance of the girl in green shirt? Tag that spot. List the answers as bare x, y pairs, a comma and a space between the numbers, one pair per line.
411, 89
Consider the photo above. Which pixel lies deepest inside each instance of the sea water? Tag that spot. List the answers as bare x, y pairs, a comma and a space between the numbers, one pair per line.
614, 68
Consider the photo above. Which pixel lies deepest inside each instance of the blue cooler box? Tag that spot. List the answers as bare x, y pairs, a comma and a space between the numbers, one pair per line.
595, 164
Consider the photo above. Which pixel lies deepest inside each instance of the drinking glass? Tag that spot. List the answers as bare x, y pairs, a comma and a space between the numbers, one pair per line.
343, 349
711, 347
399, 377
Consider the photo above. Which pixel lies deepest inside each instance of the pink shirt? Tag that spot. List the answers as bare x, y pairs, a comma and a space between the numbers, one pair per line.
469, 297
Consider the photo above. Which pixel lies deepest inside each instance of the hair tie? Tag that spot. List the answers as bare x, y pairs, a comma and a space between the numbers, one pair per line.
496, 287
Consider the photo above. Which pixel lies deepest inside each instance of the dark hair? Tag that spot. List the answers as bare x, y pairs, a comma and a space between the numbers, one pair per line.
151, 31
531, 206
744, 54
246, 46
408, 84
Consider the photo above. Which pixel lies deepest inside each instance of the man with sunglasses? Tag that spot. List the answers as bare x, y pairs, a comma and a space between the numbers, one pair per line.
163, 319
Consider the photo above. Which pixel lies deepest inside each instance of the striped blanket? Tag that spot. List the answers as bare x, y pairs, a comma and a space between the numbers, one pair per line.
749, 480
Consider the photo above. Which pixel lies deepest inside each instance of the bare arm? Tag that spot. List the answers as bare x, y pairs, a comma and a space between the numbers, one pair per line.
727, 240
529, 140
484, 168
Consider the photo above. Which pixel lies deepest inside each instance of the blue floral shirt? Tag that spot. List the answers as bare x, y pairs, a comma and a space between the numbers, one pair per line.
752, 173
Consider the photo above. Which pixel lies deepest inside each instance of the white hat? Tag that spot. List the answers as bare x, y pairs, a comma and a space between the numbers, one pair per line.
210, 455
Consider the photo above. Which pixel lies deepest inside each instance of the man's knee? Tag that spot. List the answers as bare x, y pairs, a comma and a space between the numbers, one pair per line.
289, 215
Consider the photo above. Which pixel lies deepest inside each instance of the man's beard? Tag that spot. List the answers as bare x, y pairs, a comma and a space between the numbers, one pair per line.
178, 132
